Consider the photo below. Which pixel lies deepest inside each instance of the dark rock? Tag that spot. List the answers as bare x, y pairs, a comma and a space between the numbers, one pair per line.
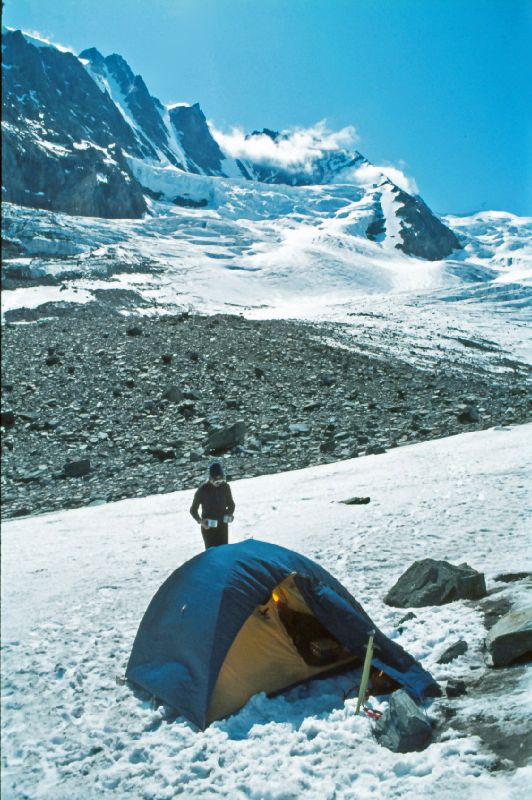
130, 383
356, 501
77, 469
187, 409
173, 394
28, 416
232, 403
194, 357
191, 394
403, 728
455, 688
327, 379
452, 652
163, 453
434, 583
259, 372
469, 414
27, 476
134, 330
510, 638
510, 577
375, 450
407, 618
52, 361
7, 418
227, 438
166, 358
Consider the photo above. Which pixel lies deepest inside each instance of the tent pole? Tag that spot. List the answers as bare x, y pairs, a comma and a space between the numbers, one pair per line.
365, 672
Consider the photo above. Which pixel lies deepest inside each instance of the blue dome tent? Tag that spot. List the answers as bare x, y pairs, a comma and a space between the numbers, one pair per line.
222, 628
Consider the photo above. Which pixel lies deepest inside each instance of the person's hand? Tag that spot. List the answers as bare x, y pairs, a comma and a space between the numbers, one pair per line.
204, 524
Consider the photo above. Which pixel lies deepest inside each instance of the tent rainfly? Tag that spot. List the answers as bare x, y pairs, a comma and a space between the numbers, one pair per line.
254, 617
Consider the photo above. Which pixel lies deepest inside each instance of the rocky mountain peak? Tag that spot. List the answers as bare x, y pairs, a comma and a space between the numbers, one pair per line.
191, 127
94, 56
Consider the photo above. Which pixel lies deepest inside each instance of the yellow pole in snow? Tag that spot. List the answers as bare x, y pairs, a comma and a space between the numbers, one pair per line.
365, 672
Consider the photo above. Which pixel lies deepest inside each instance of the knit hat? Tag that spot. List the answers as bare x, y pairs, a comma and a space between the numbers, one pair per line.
216, 471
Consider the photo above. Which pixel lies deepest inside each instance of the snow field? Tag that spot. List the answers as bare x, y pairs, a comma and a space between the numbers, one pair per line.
75, 585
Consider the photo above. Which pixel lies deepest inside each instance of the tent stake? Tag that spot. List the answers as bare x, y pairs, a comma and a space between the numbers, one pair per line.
365, 672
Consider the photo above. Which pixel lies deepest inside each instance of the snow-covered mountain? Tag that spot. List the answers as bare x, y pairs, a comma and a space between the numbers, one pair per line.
83, 135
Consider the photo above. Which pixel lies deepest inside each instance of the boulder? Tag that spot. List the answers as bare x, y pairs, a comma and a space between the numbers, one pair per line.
134, 330
375, 450
7, 418
469, 414
327, 379
173, 394
434, 583
403, 727
511, 637
166, 358
452, 652
162, 453
226, 438
77, 469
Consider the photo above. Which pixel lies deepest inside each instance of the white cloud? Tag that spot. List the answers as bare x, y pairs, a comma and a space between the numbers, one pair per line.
38, 40
372, 173
297, 149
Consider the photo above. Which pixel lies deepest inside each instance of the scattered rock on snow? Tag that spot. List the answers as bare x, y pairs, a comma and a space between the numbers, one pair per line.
452, 652
455, 688
356, 501
433, 583
403, 727
406, 618
510, 577
511, 637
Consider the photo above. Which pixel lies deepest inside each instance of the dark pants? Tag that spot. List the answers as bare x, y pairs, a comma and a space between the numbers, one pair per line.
215, 536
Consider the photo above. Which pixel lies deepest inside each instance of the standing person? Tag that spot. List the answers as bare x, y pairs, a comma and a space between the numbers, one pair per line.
217, 507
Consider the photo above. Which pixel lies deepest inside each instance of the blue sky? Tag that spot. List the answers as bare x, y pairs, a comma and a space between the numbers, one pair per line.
438, 87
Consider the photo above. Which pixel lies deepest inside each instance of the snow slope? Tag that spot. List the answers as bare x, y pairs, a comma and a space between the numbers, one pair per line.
75, 585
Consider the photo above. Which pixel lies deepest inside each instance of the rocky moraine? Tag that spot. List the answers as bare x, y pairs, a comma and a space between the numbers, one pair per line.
98, 406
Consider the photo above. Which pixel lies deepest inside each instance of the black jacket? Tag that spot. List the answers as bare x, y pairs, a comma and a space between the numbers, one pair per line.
215, 501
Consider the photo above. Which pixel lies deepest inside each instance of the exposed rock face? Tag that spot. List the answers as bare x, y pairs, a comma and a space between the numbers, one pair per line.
145, 110
511, 637
403, 727
55, 154
434, 583
422, 233
203, 152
